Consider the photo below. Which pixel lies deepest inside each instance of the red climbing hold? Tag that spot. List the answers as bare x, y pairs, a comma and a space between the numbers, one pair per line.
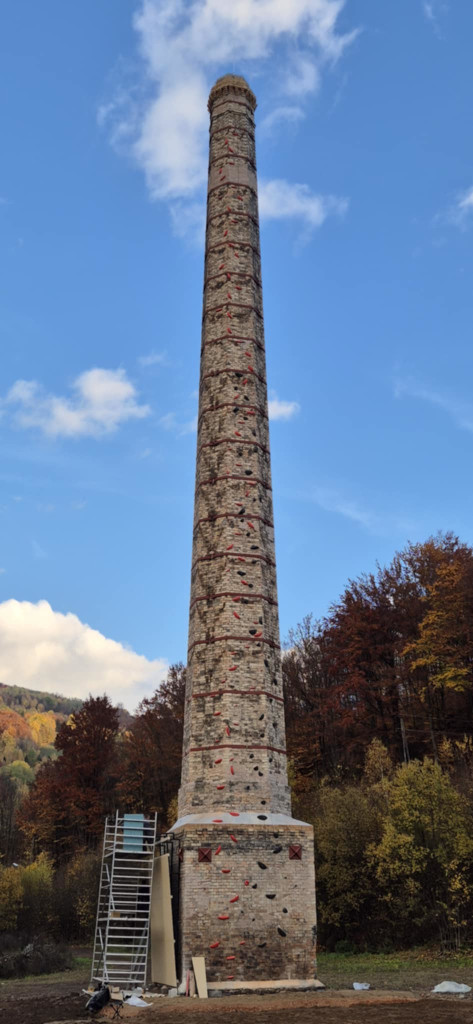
250, 525
230, 958
223, 917
236, 254
229, 276
229, 209
235, 598
218, 761
237, 434
232, 770
233, 668
251, 369
246, 883
221, 787
235, 814
218, 850
229, 547
213, 945
216, 713
236, 615
242, 943
227, 730
259, 634
222, 266
248, 354
217, 821
225, 232
233, 838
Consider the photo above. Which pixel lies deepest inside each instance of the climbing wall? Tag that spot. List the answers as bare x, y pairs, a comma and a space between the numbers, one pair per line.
234, 773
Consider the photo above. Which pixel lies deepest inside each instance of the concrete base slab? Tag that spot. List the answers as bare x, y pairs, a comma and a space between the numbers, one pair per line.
278, 985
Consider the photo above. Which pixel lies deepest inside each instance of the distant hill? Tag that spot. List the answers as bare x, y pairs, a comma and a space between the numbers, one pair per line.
29, 720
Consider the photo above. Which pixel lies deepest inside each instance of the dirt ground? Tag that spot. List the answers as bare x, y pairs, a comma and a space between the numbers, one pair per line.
46, 1001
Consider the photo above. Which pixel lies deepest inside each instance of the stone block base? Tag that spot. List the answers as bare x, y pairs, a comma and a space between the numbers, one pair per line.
247, 899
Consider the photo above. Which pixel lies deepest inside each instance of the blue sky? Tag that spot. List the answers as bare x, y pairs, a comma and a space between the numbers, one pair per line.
365, 159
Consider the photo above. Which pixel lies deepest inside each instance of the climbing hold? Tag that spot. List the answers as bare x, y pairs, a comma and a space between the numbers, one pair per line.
270, 895
277, 849
262, 866
262, 817
229, 547
226, 871
233, 668
242, 943
232, 770
235, 814
282, 932
246, 881
221, 787
216, 714
233, 838
223, 917
259, 634
235, 899
227, 730
236, 615
217, 821
213, 945
230, 958
218, 850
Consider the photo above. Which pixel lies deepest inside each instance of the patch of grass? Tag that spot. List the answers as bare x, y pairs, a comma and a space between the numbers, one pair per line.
417, 968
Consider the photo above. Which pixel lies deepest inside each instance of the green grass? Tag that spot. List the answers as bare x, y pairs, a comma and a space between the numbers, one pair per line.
418, 968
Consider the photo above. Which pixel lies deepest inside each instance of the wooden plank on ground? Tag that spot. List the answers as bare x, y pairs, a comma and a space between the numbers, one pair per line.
198, 963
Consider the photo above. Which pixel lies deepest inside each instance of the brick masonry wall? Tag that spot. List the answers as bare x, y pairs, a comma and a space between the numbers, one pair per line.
234, 737
250, 910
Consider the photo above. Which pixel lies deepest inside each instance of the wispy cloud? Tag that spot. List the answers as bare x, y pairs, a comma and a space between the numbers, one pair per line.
2, 571
153, 359
171, 423
279, 409
47, 650
332, 501
460, 412
162, 118
100, 401
460, 213
38, 552
433, 11
280, 200
280, 115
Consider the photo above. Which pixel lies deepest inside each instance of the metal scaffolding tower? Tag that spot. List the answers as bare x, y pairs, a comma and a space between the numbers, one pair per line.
123, 913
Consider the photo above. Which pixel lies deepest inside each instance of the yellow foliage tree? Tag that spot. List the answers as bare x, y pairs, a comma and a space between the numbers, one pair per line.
43, 727
11, 898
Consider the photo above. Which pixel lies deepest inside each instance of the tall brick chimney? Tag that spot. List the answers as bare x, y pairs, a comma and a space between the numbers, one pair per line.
247, 899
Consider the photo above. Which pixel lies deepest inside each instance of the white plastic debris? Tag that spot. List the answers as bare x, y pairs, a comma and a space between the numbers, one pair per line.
361, 986
136, 1001
452, 988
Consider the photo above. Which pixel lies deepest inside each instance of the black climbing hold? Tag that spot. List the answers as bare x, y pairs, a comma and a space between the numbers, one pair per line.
261, 945
277, 849
284, 910
254, 547
266, 662
261, 865
262, 817
241, 511
248, 472
254, 886
255, 769
263, 802
240, 573
260, 774
282, 932
270, 895
261, 718
251, 757
252, 632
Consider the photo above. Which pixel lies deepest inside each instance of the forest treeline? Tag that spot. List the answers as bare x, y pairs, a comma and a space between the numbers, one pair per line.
380, 744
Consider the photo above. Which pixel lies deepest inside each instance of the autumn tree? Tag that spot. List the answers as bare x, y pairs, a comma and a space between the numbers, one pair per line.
71, 795
152, 750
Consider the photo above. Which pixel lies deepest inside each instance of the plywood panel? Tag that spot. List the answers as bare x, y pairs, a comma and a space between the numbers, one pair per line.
198, 963
163, 960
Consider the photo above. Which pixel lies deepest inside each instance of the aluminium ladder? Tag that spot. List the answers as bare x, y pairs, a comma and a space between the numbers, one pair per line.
121, 943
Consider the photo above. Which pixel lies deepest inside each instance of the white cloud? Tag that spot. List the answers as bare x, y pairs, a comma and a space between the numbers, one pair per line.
332, 501
279, 200
461, 211
184, 45
433, 11
280, 115
170, 422
278, 409
153, 359
47, 650
101, 400
459, 411
2, 571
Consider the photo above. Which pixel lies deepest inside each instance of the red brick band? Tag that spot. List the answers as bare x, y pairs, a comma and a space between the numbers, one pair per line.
239, 693
236, 746
235, 305
233, 369
224, 103
232, 405
232, 593
225, 554
232, 213
229, 128
237, 156
233, 440
233, 515
233, 245
232, 184
236, 338
230, 636
234, 273
218, 479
